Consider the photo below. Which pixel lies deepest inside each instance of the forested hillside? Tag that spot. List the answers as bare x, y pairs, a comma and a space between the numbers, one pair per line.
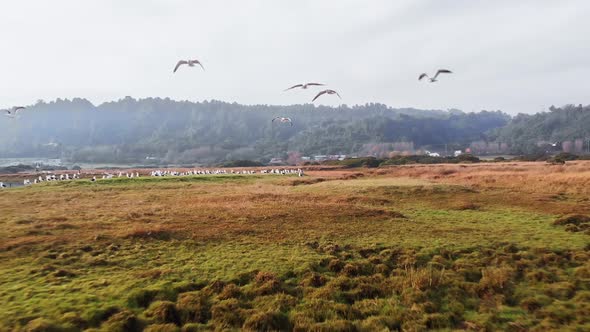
167, 131
566, 128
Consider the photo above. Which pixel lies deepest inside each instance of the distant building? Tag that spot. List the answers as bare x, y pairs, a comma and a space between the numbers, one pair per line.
306, 158
457, 153
276, 161
320, 157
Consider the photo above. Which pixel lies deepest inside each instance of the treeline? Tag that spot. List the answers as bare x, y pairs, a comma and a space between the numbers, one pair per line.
561, 129
163, 131
372, 162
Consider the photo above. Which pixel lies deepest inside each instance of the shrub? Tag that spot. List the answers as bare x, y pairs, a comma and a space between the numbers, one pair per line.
267, 283
380, 323
576, 219
534, 303
583, 296
382, 269
541, 275
193, 307
335, 326
73, 319
368, 307
335, 265
437, 321
560, 290
268, 321
313, 280
97, 315
279, 302
230, 291
351, 270
124, 321
496, 279
42, 325
141, 298
163, 312
559, 313
162, 328
195, 327
263, 277
227, 314
215, 287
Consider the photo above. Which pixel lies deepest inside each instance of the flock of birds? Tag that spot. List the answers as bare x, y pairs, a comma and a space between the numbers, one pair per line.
14, 111
285, 171
157, 173
305, 86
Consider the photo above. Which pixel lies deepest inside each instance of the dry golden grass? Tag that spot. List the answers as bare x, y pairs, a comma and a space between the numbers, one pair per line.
532, 177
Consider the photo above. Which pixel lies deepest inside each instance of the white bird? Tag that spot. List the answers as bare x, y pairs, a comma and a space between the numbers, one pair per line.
433, 79
304, 86
283, 120
13, 112
190, 63
330, 92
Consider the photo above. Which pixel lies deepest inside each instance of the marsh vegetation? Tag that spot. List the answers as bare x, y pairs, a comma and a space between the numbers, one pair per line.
426, 247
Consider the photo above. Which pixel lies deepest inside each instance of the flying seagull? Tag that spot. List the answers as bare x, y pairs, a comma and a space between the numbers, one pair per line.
304, 86
283, 120
190, 63
12, 113
433, 79
330, 92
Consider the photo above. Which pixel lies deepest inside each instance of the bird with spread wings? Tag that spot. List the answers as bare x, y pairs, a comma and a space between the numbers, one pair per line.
283, 120
12, 113
304, 86
433, 79
329, 92
190, 63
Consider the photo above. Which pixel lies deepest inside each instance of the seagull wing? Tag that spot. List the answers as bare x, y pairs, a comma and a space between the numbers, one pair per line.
442, 71
180, 63
315, 84
422, 76
197, 62
336, 92
293, 87
273, 120
319, 94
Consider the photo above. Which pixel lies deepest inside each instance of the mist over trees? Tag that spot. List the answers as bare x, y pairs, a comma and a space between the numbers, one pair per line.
156, 130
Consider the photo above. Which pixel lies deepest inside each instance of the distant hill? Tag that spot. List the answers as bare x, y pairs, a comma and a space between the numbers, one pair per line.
155, 130
568, 128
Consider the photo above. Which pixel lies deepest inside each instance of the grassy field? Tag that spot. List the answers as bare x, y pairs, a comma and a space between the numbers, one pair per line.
412, 248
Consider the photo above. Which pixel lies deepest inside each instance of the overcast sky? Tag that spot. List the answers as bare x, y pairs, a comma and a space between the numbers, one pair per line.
516, 56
